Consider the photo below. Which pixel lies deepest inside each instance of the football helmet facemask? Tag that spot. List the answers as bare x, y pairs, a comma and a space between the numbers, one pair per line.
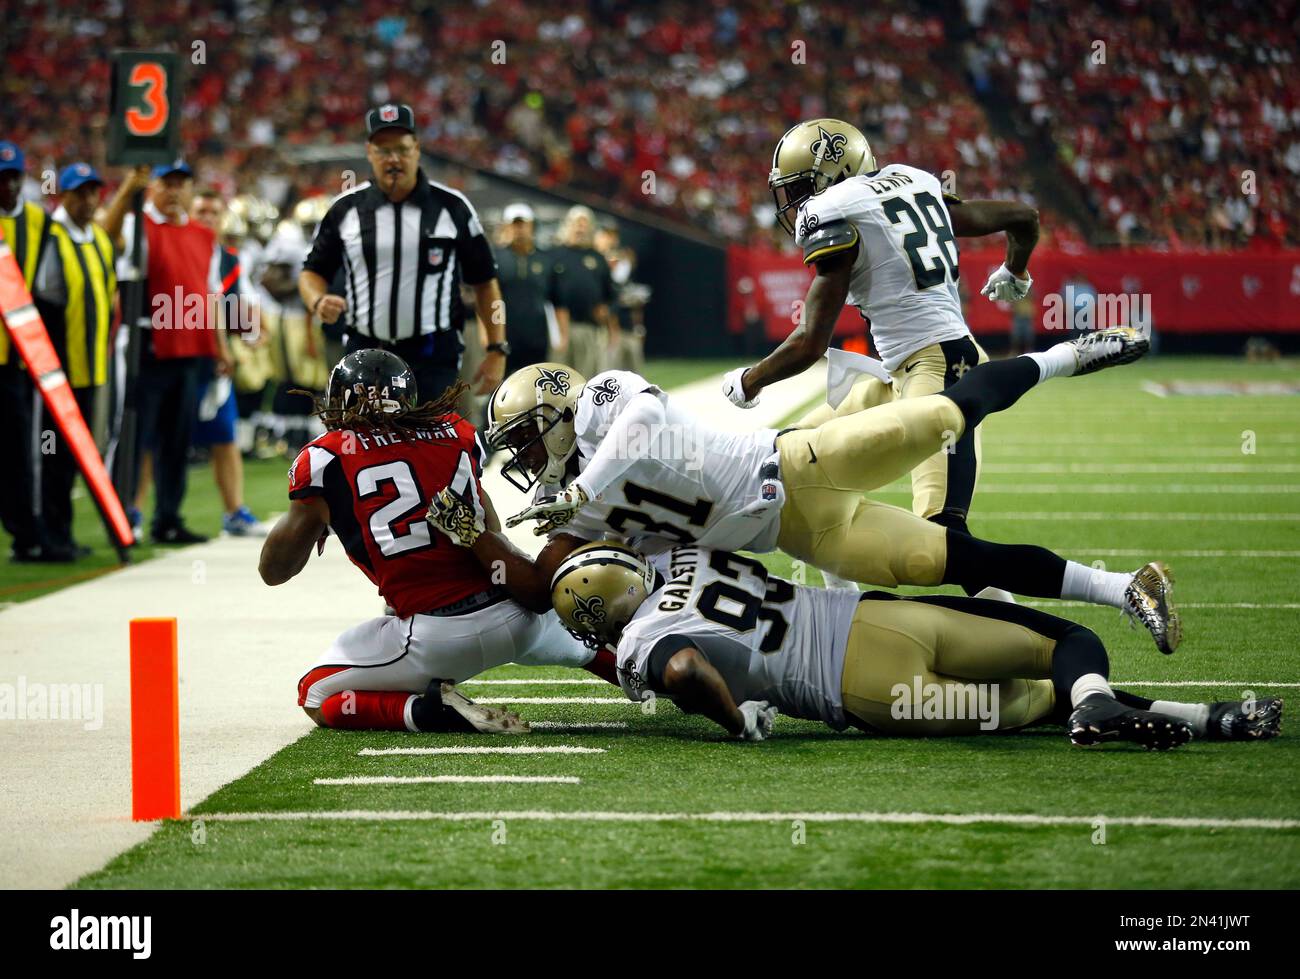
535, 406
812, 156
376, 376
598, 588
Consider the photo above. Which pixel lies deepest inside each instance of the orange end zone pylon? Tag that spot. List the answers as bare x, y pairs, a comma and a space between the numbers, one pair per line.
155, 721
28, 333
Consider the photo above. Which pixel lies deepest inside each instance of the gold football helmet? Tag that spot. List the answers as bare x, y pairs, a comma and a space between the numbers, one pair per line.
812, 156
598, 588
534, 407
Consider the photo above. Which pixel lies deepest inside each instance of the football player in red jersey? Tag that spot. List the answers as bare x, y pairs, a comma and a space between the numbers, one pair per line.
369, 479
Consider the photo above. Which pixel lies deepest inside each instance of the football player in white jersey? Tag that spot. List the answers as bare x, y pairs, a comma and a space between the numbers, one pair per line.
884, 240
720, 636
616, 457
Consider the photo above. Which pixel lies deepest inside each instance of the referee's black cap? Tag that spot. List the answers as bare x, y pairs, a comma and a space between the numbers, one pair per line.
390, 115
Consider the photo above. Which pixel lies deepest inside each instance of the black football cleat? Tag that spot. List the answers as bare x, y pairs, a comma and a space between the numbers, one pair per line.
443, 708
1100, 719
1249, 720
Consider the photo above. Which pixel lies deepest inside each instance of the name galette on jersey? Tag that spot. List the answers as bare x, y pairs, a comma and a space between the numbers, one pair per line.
770, 639
904, 275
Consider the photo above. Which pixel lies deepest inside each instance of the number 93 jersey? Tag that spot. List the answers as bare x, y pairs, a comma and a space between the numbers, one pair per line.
770, 639
378, 486
904, 279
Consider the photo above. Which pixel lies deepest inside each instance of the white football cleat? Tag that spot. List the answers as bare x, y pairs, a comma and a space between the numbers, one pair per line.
486, 720
1108, 348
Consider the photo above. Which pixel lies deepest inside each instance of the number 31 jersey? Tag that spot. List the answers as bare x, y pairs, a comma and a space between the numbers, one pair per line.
378, 486
770, 639
688, 484
904, 278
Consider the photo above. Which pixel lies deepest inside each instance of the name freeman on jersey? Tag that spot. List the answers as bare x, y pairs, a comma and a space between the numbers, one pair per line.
665, 442
375, 439
946, 702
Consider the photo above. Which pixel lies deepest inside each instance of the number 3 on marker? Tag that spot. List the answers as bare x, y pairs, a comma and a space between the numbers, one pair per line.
150, 76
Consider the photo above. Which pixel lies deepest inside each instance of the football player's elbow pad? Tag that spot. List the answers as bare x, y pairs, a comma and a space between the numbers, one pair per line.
828, 239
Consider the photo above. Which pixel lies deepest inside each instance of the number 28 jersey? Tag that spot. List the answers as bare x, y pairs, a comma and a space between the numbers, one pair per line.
904, 278
770, 639
378, 486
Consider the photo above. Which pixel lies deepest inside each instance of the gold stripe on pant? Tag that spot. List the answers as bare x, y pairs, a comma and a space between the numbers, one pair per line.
912, 643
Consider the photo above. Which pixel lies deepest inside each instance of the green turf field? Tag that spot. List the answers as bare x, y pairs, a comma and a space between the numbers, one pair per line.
1095, 467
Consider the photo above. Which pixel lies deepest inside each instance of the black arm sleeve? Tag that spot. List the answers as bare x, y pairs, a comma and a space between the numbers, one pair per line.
477, 262
326, 256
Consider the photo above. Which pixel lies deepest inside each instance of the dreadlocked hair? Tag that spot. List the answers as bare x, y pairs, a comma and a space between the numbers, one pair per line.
368, 414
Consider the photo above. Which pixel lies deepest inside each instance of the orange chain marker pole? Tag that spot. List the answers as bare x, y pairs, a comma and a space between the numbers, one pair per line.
155, 721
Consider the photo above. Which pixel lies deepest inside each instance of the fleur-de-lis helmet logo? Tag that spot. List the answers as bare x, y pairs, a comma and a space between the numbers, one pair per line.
556, 382
588, 612
828, 146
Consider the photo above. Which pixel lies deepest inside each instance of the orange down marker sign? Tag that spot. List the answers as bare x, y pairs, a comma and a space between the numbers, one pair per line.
155, 721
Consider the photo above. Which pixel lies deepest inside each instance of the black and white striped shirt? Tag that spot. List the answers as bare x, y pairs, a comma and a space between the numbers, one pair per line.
403, 263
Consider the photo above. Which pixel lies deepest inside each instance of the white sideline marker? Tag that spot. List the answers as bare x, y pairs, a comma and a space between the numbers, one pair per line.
440, 779
950, 819
578, 725
550, 749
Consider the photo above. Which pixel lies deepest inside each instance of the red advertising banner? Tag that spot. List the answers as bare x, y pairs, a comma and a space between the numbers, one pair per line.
1182, 292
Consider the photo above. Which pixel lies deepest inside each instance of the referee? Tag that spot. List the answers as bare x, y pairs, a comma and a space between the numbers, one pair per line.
405, 244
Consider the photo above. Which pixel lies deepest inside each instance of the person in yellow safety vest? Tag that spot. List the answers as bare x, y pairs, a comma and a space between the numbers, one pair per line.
26, 230
77, 284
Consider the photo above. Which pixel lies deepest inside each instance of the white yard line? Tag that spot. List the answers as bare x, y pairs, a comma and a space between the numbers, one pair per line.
545, 681
1119, 489
1142, 517
560, 700
1153, 468
1136, 552
888, 818
550, 749
1201, 683
578, 725
1057, 603
448, 779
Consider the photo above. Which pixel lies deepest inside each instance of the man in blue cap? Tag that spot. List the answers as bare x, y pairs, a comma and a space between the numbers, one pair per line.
27, 230
75, 284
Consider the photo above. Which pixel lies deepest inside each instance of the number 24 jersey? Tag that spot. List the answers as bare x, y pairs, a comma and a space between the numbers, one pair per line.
378, 486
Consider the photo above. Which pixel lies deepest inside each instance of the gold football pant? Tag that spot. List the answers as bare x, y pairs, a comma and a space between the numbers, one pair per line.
826, 520
948, 651
945, 482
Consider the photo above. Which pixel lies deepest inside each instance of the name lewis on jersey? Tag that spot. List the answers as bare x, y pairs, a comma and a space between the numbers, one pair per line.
883, 185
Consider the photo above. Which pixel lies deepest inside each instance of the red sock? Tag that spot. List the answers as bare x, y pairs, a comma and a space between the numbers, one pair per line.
603, 665
366, 710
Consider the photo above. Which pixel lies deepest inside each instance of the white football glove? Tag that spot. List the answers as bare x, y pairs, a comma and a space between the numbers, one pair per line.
735, 390
759, 718
460, 516
1005, 286
553, 511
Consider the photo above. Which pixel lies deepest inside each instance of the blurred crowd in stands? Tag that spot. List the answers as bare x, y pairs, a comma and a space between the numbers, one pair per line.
674, 107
